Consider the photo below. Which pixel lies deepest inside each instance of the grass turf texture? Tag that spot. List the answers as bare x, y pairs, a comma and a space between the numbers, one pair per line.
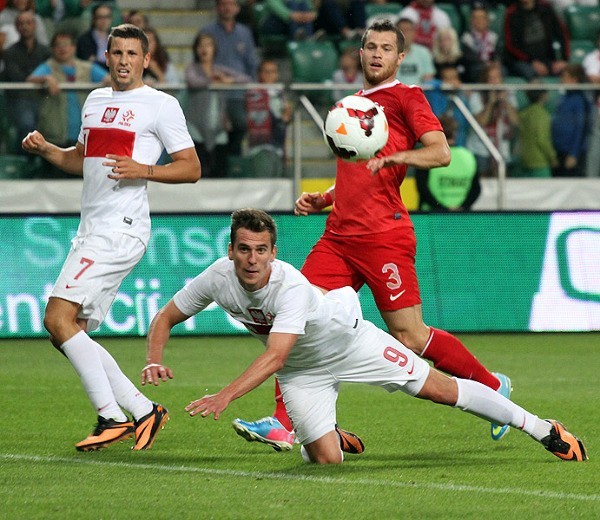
421, 460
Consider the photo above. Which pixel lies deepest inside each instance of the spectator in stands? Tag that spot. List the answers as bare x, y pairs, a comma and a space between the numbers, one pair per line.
60, 110
137, 18
206, 109
91, 45
8, 30
269, 113
591, 64
479, 44
497, 113
349, 71
160, 69
417, 67
454, 187
536, 41
20, 60
446, 50
535, 142
571, 123
63, 15
338, 20
237, 51
430, 20
293, 18
439, 99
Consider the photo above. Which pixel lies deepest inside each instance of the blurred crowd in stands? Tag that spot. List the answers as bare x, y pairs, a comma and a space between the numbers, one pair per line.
540, 132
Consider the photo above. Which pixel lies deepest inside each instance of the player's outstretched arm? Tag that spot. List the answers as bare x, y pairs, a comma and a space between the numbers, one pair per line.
158, 334
435, 152
314, 202
70, 160
263, 367
184, 168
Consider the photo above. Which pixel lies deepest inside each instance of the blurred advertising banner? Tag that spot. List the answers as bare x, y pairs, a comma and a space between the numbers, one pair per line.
481, 271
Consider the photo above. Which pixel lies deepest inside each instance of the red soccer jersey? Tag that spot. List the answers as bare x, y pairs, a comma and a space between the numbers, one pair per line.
367, 203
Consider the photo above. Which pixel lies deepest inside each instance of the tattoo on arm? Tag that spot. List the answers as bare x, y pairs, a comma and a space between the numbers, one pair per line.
150, 170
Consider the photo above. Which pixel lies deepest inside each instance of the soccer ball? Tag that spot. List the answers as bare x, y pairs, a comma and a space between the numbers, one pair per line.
356, 128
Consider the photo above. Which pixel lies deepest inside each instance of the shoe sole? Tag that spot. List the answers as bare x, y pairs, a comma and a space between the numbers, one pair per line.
153, 433
350, 442
499, 431
106, 443
251, 437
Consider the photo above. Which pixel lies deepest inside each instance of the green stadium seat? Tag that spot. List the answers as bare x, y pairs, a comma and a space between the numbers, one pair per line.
391, 8
554, 94
455, 17
583, 21
313, 62
521, 96
579, 50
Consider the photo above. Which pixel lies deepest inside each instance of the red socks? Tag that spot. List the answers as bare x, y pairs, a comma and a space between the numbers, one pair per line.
280, 412
451, 356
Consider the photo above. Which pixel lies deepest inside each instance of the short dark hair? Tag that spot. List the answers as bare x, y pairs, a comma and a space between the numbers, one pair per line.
384, 26
255, 220
128, 31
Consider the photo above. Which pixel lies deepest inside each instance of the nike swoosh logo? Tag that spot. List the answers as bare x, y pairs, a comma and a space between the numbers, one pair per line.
394, 297
412, 369
71, 286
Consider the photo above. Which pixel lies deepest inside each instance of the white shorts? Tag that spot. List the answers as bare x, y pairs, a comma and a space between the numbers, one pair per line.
374, 358
93, 272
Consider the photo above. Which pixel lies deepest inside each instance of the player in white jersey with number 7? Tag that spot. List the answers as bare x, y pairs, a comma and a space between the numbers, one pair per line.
316, 341
124, 130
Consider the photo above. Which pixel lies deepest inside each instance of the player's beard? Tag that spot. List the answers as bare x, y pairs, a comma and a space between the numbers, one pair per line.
383, 75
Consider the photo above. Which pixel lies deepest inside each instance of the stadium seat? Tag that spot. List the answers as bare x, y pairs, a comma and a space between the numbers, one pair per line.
265, 161
313, 62
391, 8
583, 21
455, 17
521, 96
579, 50
554, 94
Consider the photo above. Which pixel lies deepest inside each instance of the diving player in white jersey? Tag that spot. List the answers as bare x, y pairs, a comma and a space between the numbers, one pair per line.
313, 343
124, 130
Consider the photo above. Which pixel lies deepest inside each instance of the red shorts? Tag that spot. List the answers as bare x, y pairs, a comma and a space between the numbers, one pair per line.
383, 261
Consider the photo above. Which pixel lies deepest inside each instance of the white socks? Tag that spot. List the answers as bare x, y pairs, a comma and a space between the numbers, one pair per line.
82, 353
125, 392
482, 401
107, 387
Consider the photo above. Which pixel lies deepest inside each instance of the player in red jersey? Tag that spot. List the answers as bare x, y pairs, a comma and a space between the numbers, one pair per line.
369, 237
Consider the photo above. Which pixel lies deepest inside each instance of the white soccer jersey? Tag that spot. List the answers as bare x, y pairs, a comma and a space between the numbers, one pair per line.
138, 123
288, 304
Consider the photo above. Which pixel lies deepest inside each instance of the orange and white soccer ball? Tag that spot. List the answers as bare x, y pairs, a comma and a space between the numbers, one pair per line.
356, 128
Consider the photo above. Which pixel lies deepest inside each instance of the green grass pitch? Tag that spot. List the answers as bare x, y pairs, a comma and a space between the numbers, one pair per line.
421, 460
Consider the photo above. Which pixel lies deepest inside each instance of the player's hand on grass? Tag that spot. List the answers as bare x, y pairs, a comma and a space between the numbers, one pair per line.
124, 167
309, 203
154, 373
214, 403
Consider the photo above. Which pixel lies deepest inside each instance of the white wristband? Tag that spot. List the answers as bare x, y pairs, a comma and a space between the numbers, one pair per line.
151, 365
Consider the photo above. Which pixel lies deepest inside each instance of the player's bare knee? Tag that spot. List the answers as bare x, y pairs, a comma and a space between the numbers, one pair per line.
439, 388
